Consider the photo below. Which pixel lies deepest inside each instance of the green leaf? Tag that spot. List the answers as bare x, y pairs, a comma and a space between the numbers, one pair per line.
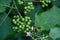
56, 3
5, 27
55, 33
4, 4
48, 19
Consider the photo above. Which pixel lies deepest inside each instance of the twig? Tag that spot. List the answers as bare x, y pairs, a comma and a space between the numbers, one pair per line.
16, 8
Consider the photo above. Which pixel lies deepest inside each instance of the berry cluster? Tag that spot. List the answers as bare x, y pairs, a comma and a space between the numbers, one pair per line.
20, 2
45, 2
21, 24
28, 7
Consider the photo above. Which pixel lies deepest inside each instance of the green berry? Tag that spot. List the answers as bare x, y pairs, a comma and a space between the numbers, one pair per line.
17, 16
43, 1
28, 23
19, 30
32, 7
43, 5
25, 7
29, 3
13, 20
29, 20
28, 17
14, 16
20, 26
15, 28
20, 2
22, 23
49, 1
17, 20
23, 19
28, 7
27, 29
46, 4
26, 20
25, 12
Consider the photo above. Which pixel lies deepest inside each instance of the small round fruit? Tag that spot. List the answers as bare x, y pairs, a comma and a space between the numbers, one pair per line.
49, 1
25, 12
23, 19
29, 20
43, 1
25, 7
14, 16
20, 26
28, 23
43, 5
29, 3
46, 4
13, 20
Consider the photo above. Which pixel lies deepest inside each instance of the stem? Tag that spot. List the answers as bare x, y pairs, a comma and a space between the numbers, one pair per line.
16, 8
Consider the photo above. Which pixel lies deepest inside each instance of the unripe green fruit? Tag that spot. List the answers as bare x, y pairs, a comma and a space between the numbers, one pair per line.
14, 16
15, 28
25, 7
28, 17
22, 27
17, 20
20, 2
49, 1
29, 20
46, 4
26, 20
28, 23
43, 1
28, 10
22, 23
27, 29
17, 16
32, 8
13, 20
18, 24
29, 3
19, 30
23, 19
28, 7
43, 5
25, 12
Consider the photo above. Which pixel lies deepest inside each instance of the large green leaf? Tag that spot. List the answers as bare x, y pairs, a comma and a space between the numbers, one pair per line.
55, 33
48, 19
4, 4
5, 27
